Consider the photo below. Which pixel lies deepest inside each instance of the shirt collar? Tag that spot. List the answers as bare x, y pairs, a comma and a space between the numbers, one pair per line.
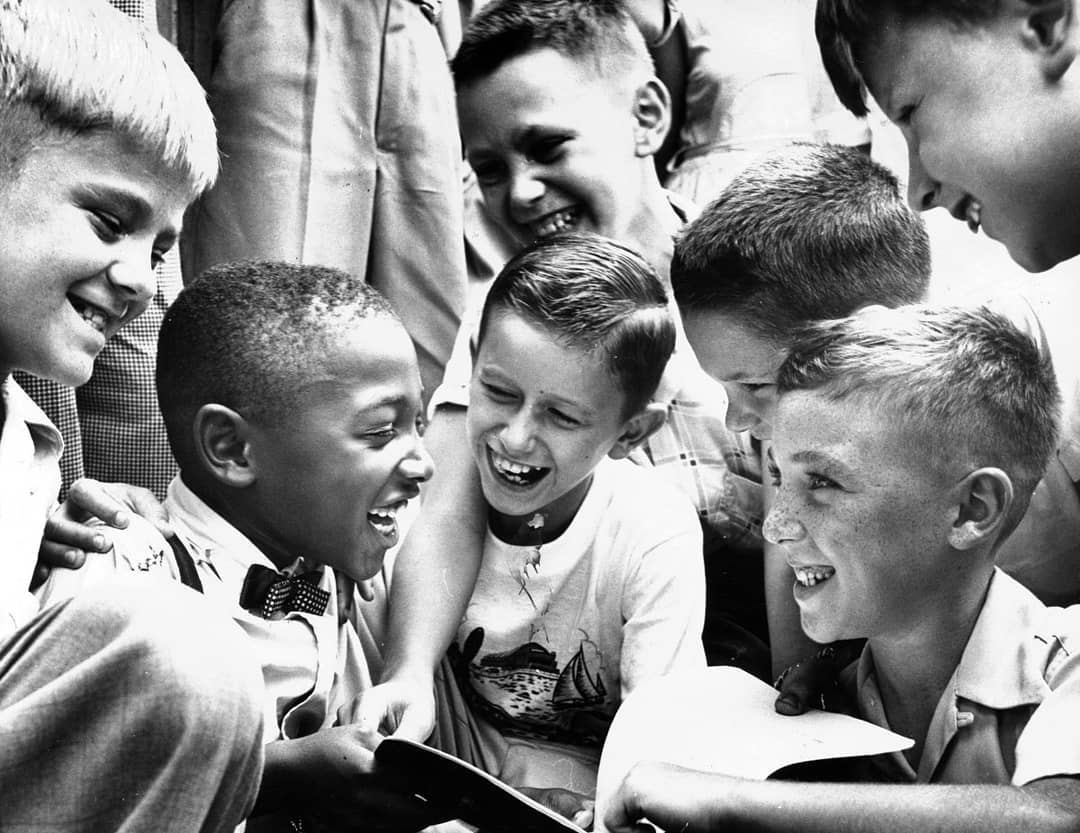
21, 409
1001, 668
211, 538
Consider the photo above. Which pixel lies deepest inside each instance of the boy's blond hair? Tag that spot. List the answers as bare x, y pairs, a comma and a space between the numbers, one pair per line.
971, 389
71, 67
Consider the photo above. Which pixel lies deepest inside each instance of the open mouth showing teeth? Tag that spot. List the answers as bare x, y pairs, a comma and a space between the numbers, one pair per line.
516, 473
809, 576
384, 519
559, 221
973, 215
92, 315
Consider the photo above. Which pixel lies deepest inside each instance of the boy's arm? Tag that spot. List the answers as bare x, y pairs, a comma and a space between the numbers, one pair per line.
331, 776
663, 605
433, 579
68, 537
679, 799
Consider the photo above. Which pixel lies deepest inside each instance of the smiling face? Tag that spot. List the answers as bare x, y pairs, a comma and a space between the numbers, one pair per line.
988, 132
331, 477
862, 521
85, 222
541, 417
554, 147
744, 362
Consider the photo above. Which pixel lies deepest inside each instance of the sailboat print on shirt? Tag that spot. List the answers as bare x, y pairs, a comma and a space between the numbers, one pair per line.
524, 689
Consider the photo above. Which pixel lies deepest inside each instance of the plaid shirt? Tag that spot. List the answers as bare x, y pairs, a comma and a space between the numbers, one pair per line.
718, 469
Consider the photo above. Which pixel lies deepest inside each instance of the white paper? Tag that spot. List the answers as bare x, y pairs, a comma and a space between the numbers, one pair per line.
722, 719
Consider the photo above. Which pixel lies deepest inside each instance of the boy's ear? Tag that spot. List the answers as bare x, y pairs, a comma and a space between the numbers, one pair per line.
652, 116
985, 498
639, 428
1049, 28
222, 445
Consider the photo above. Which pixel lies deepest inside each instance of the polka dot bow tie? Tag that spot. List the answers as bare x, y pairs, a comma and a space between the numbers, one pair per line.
266, 592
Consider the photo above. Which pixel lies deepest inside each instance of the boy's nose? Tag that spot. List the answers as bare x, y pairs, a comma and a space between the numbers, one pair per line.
922, 188
517, 434
525, 189
418, 465
738, 417
134, 275
781, 526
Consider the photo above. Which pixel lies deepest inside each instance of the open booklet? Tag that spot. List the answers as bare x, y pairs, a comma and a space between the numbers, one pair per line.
468, 793
721, 719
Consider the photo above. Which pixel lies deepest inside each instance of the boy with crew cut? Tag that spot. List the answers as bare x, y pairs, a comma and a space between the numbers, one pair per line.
808, 232
907, 443
591, 580
561, 115
98, 160
292, 398
984, 92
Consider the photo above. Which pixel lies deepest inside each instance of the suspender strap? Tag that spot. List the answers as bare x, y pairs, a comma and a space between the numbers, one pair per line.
189, 575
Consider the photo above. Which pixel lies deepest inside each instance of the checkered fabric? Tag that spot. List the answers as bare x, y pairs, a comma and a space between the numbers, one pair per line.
266, 592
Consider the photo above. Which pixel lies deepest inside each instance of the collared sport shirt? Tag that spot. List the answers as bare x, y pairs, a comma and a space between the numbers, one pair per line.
1011, 711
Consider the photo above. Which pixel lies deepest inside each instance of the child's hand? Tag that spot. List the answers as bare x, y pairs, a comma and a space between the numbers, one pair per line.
67, 536
814, 682
568, 804
331, 780
401, 706
671, 797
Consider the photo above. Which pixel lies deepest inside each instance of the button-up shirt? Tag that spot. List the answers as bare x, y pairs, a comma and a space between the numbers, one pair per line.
1010, 713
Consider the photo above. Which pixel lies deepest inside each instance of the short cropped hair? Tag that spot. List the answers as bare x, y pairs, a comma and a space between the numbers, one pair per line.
599, 31
72, 67
971, 387
593, 294
806, 233
245, 334
842, 27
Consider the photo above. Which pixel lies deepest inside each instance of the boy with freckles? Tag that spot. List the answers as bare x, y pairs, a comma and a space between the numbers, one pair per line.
907, 443
986, 95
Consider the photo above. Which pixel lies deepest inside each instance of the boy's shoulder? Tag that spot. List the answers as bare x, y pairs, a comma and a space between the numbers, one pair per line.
637, 496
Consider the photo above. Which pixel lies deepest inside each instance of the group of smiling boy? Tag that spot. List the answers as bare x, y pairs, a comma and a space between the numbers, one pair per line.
902, 445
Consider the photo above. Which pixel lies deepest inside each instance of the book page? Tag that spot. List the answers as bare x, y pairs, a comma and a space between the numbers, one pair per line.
721, 719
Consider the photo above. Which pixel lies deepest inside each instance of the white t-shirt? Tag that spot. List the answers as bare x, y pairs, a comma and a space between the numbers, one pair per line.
551, 642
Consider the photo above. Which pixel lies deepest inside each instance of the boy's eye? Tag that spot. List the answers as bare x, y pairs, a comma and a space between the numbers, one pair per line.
756, 387
488, 174
903, 117
383, 434
774, 471
497, 393
108, 226
820, 481
548, 150
565, 420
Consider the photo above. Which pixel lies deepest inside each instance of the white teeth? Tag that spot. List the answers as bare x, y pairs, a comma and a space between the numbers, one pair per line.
93, 316
559, 221
809, 576
384, 518
973, 215
517, 473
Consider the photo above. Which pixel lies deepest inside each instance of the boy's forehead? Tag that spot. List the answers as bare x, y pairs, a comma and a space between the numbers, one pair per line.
542, 80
